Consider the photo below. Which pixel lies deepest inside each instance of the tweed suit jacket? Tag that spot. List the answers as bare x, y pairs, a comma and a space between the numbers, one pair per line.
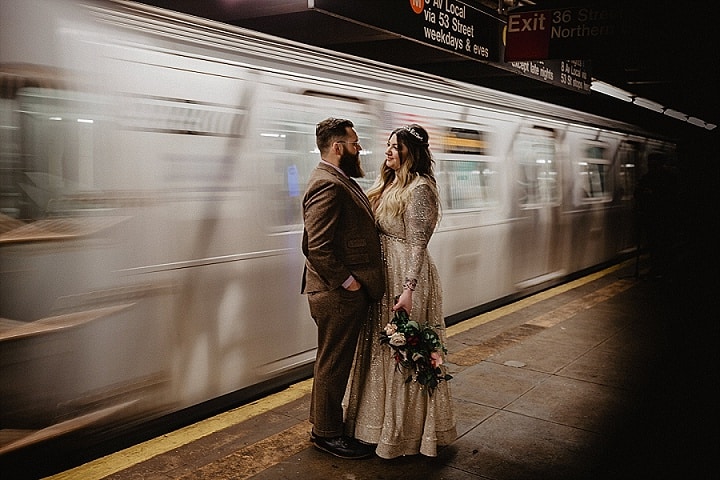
340, 238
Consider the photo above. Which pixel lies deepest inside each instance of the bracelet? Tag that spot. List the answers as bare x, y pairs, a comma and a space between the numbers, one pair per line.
410, 284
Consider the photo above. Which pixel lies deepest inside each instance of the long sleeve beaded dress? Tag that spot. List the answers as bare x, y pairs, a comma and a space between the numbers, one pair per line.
381, 407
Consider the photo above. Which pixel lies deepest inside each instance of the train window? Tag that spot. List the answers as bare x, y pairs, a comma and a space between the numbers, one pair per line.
287, 142
468, 184
463, 140
63, 130
467, 177
70, 160
537, 168
10, 163
628, 157
593, 170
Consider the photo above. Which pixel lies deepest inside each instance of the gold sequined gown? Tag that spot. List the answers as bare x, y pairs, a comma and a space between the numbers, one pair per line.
401, 418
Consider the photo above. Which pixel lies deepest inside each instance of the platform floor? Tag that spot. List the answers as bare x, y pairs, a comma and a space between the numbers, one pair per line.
610, 376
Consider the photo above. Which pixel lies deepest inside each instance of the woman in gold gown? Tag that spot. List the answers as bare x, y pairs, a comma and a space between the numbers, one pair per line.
402, 418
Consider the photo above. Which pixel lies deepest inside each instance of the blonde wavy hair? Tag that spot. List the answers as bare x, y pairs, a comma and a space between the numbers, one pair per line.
391, 191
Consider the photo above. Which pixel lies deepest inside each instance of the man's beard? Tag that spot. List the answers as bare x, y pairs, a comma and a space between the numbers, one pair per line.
350, 164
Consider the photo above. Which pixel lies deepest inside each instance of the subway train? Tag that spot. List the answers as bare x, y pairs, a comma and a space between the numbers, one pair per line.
152, 166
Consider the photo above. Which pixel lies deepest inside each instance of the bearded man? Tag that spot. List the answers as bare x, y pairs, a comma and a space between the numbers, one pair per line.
343, 275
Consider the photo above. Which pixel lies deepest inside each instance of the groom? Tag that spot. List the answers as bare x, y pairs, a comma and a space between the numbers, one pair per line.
343, 274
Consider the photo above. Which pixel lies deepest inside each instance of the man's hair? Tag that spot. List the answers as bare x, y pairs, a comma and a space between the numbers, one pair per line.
330, 129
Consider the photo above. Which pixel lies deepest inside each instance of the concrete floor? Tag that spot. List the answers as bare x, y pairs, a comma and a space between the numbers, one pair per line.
603, 379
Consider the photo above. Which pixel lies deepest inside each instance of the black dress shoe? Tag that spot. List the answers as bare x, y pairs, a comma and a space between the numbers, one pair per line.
343, 447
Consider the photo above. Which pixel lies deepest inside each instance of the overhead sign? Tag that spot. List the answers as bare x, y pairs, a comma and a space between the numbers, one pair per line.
571, 74
569, 32
451, 25
455, 26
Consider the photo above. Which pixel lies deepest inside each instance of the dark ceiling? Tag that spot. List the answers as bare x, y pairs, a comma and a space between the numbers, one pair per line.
670, 55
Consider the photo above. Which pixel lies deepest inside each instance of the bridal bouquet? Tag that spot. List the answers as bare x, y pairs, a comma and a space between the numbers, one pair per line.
417, 349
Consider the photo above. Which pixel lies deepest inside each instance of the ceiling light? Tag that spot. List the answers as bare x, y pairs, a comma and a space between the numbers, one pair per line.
607, 89
675, 114
649, 104
612, 91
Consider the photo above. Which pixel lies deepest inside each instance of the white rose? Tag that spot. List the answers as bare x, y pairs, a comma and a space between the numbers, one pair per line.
397, 339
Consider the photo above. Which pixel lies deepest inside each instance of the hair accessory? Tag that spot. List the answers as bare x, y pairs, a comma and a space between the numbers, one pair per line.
413, 132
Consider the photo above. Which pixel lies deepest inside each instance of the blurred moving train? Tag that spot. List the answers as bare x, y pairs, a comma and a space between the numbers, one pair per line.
152, 166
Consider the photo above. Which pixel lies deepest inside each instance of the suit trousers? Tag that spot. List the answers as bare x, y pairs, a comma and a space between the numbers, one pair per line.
339, 315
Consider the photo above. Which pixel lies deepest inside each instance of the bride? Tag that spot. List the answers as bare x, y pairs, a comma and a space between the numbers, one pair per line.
382, 408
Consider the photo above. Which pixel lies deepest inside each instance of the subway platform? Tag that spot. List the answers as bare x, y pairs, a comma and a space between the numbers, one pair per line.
610, 376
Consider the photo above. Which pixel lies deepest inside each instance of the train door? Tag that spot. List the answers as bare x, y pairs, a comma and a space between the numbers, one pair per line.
287, 155
590, 212
472, 235
536, 249
627, 159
